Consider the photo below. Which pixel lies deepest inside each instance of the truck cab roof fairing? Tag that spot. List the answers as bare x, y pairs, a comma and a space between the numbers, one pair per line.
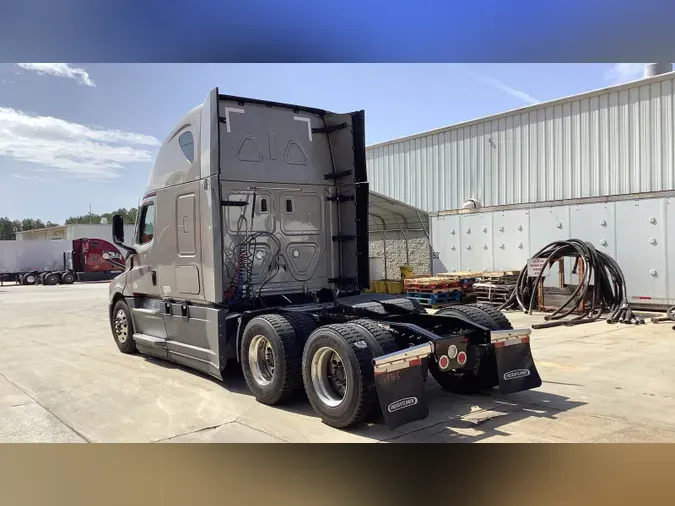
171, 167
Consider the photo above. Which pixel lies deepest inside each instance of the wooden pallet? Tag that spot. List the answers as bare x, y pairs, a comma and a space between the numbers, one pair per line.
435, 298
492, 288
494, 302
460, 274
431, 283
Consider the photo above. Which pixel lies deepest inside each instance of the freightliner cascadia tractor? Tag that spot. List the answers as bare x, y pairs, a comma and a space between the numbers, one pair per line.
252, 246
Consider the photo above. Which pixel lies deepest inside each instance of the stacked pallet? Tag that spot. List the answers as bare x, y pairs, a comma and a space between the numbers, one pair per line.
433, 292
466, 278
495, 287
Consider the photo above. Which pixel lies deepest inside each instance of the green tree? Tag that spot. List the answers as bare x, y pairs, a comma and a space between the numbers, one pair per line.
128, 215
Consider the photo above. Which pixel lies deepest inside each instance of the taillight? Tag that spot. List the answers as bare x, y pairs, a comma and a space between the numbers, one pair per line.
461, 358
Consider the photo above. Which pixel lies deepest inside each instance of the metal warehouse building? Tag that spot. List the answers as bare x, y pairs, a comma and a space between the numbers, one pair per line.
598, 166
79, 231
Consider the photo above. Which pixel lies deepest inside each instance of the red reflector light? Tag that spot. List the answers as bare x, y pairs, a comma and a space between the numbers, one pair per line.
415, 361
461, 358
645, 298
444, 362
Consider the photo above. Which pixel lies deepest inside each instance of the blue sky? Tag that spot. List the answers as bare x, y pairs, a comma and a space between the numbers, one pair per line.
72, 135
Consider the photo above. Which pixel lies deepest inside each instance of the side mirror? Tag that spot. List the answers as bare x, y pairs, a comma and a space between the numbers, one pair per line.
118, 234
118, 229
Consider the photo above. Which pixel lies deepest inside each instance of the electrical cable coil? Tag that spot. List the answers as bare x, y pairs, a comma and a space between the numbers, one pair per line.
602, 284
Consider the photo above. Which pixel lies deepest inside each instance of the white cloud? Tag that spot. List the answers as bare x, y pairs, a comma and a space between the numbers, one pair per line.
73, 149
59, 70
521, 95
624, 72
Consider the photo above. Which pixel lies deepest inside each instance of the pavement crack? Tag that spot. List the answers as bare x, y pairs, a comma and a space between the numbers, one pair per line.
197, 431
61, 420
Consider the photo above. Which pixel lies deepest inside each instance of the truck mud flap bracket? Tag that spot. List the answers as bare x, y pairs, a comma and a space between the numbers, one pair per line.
399, 380
515, 364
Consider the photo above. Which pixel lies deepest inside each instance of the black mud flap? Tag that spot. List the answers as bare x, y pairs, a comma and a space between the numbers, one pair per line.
515, 366
401, 394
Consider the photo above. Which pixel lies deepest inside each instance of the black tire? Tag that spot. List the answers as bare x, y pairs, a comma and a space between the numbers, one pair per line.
284, 381
302, 323
360, 396
474, 314
499, 318
51, 279
68, 278
381, 340
29, 279
483, 375
123, 328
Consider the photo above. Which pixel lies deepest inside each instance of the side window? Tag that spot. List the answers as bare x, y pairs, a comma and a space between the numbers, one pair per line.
146, 228
187, 145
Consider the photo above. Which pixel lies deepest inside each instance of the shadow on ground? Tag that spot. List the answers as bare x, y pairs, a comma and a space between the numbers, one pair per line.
453, 418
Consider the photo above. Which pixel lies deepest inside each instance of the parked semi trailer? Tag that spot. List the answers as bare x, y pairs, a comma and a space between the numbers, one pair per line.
51, 262
252, 247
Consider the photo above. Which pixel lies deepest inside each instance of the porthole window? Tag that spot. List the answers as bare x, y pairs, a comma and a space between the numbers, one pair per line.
187, 145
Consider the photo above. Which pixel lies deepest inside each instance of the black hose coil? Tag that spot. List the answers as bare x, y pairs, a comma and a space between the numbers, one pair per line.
602, 279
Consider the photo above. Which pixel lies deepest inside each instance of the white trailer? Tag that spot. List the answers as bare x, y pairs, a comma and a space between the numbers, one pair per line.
25, 256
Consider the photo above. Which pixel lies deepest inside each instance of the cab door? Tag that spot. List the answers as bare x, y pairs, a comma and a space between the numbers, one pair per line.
148, 309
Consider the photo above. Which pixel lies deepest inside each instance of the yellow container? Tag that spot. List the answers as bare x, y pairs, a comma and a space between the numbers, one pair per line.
394, 287
380, 286
407, 272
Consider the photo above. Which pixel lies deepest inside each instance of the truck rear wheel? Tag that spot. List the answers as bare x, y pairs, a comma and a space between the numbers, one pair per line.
497, 316
381, 340
271, 359
68, 278
338, 375
29, 279
483, 375
51, 279
123, 327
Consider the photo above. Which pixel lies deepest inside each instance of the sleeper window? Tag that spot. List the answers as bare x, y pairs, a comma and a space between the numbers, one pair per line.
187, 145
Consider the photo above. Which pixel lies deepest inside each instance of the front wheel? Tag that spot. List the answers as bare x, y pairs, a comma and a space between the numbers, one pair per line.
123, 328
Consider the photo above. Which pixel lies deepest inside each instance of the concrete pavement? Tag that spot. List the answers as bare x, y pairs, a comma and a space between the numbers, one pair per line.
62, 379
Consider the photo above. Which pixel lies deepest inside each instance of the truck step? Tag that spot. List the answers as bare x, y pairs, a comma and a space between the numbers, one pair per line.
146, 340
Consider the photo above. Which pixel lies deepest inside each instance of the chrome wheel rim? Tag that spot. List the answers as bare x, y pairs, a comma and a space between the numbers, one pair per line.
30, 280
261, 360
121, 326
328, 376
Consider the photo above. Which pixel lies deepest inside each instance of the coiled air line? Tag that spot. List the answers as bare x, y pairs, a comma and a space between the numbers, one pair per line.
602, 281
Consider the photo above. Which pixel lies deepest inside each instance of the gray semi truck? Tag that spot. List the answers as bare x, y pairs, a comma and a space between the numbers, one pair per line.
252, 246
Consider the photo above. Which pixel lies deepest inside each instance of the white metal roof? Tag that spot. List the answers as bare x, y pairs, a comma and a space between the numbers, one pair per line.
386, 214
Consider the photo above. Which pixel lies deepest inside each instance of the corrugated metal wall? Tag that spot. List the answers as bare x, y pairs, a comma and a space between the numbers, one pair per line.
609, 142
633, 232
